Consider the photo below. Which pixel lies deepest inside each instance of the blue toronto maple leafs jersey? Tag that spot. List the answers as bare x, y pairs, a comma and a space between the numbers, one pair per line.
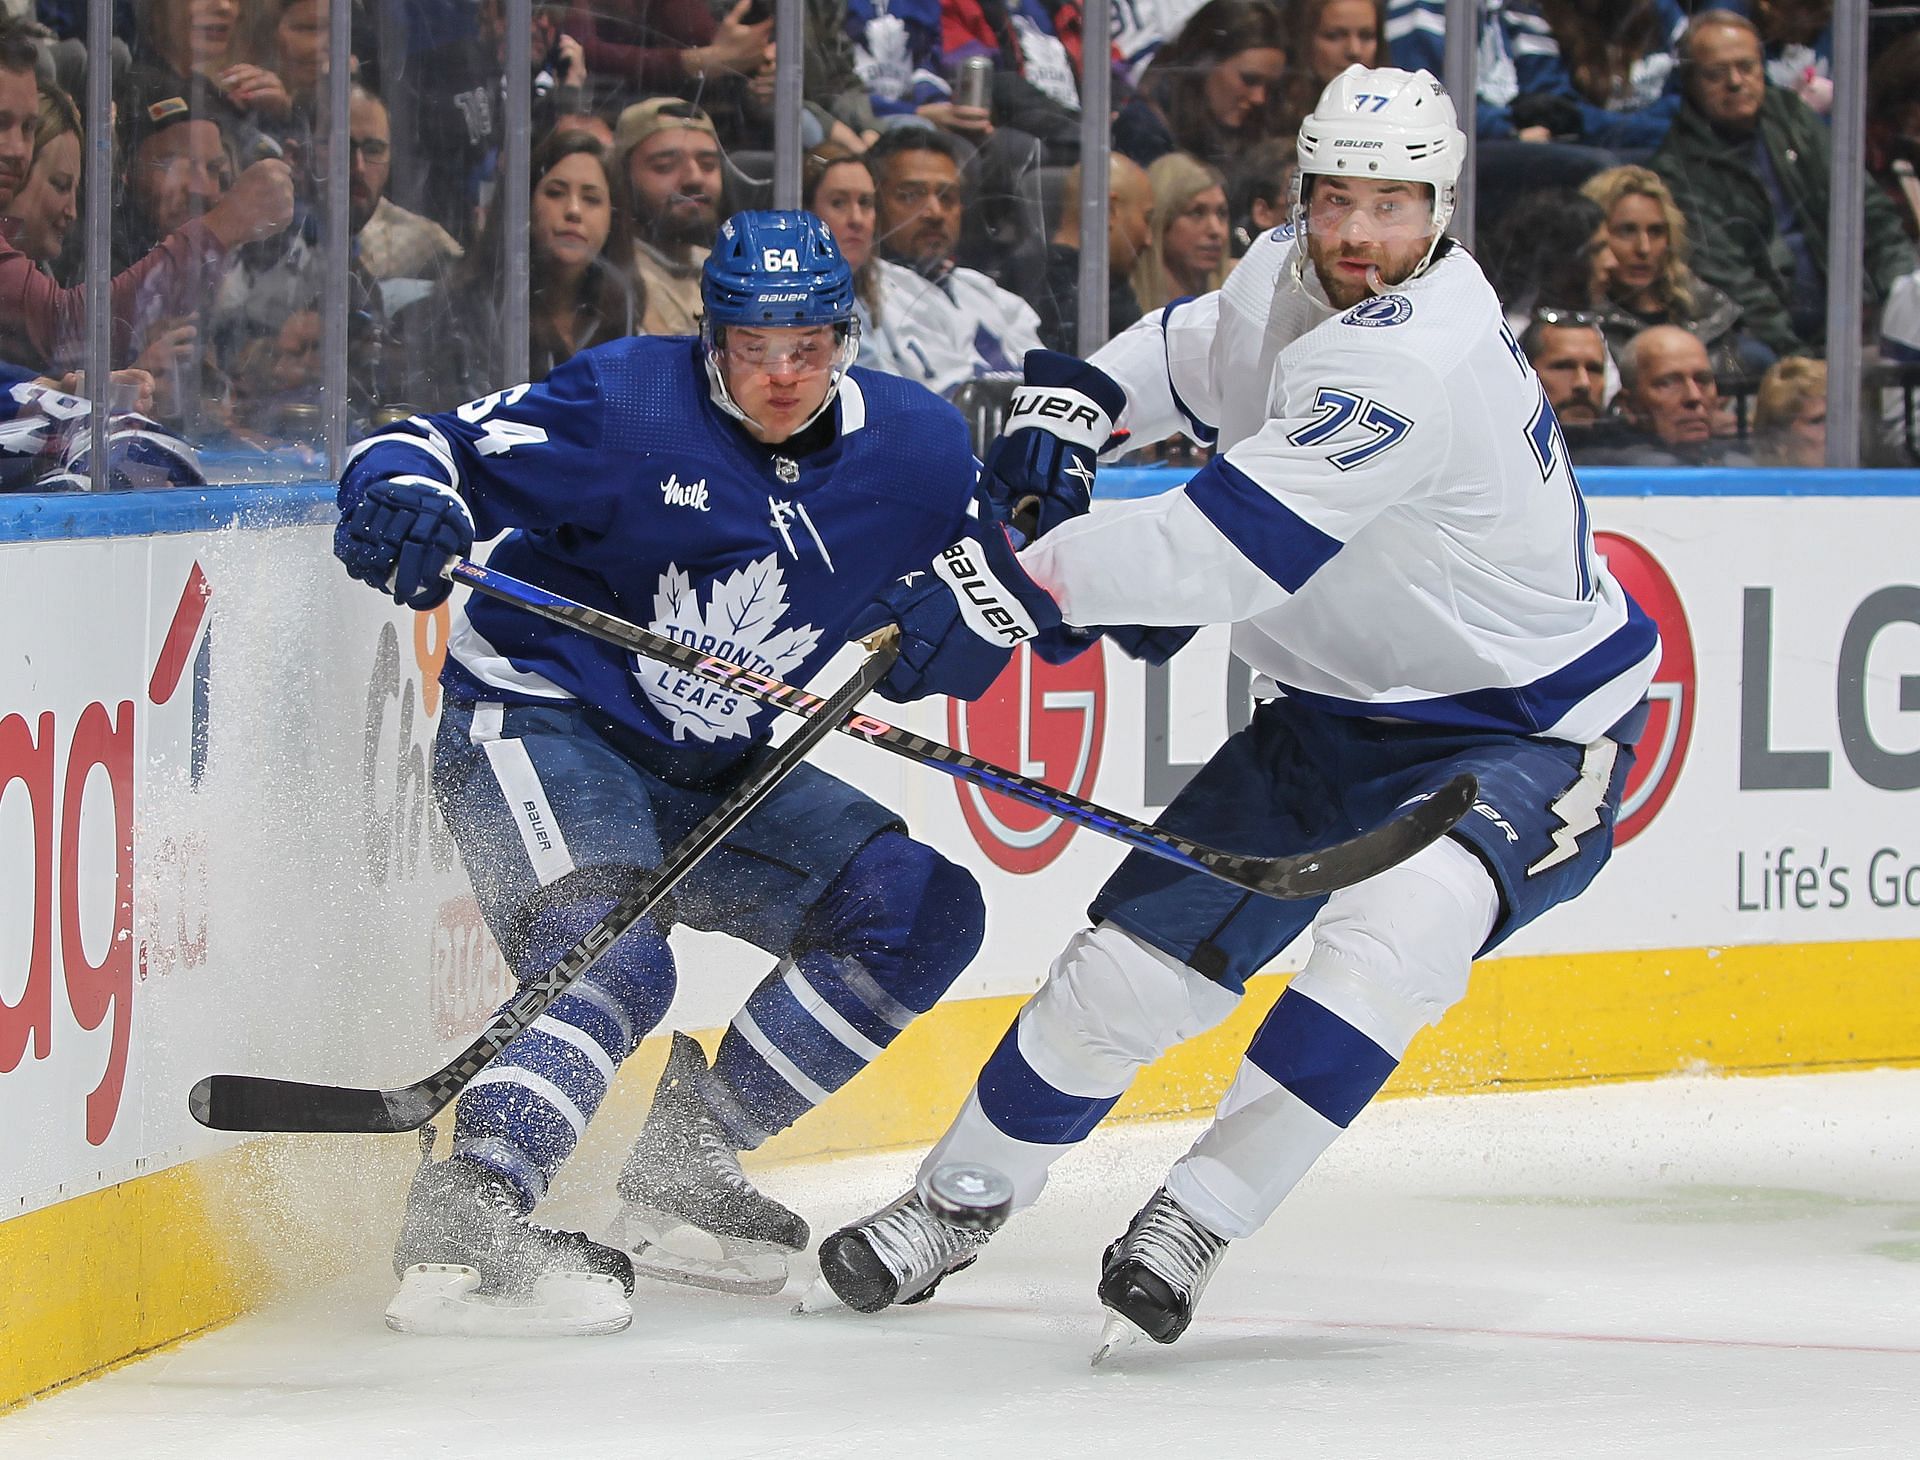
619, 483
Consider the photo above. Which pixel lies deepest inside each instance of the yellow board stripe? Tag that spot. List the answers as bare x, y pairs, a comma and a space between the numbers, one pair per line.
111, 1276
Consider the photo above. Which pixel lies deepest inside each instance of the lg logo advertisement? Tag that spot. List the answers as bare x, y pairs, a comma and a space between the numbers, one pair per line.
1044, 720
1662, 752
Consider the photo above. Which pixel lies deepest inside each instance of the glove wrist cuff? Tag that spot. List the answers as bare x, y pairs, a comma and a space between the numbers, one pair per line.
1071, 415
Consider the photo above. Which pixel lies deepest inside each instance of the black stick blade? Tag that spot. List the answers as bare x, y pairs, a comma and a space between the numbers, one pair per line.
253, 1103
1321, 873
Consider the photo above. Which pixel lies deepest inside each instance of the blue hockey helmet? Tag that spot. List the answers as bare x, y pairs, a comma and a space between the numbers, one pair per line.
776, 270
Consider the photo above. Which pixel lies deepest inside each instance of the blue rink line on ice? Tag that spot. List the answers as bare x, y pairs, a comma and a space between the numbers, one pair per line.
28, 518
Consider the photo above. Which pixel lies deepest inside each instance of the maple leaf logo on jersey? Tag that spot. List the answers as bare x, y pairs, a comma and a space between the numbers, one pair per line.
740, 623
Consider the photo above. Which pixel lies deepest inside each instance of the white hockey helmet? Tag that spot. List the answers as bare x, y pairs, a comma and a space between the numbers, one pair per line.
1384, 123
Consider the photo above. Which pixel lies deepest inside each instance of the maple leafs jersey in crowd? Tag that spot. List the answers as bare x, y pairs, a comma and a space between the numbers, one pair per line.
1391, 525
620, 484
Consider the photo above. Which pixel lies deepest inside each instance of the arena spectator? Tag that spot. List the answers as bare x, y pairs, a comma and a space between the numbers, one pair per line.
1569, 354
666, 161
1651, 283
1790, 414
1129, 228
1893, 121
896, 46
1036, 88
1213, 91
48, 203
1797, 36
673, 46
43, 326
579, 287
937, 323
1749, 165
205, 42
1619, 58
1187, 252
1326, 37
1260, 190
300, 51
837, 187
390, 242
1552, 252
1669, 398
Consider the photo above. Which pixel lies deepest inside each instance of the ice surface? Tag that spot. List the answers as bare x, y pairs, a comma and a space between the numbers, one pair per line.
1695, 1267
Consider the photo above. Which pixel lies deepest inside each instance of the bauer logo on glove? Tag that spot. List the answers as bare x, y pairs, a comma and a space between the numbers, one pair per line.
989, 609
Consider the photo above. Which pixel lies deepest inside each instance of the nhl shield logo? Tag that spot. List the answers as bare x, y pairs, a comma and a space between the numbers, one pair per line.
1663, 745
1045, 720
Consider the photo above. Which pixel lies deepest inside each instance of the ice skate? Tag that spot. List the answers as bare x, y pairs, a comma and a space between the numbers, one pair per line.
1153, 1275
471, 1263
689, 1214
897, 1255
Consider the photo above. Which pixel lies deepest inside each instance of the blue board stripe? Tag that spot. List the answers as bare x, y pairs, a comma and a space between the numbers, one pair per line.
25, 517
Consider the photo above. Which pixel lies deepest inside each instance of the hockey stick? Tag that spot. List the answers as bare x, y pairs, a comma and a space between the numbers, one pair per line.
1309, 874
253, 1102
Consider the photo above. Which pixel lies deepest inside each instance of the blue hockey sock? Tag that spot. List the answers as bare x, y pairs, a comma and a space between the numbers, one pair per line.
879, 949
1021, 1102
1327, 1063
522, 1116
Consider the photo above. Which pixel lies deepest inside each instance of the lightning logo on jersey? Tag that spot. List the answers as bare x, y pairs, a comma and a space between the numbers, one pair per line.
740, 622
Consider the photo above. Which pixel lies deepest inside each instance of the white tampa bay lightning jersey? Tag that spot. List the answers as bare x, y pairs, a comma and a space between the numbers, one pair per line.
1391, 523
619, 483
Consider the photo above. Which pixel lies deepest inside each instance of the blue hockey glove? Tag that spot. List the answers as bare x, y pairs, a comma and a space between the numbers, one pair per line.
401, 535
961, 622
1059, 422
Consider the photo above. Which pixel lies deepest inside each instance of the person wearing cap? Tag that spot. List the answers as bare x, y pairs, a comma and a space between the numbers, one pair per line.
666, 160
1391, 526
47, 322
750, 490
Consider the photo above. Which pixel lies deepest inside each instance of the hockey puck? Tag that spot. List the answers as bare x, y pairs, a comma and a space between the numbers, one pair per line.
976, 1197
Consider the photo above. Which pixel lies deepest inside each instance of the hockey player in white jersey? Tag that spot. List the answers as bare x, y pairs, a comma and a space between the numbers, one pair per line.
1392, 528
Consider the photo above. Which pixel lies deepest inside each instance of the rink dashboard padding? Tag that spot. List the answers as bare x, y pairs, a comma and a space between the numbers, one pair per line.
219, 853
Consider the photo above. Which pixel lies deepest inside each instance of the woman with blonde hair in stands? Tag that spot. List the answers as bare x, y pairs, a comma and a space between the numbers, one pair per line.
1651, 282
43, 212
1187, 254
1790, 414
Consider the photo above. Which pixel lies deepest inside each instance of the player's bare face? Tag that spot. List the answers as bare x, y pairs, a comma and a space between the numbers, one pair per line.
844, 200
1365, 235
778, 378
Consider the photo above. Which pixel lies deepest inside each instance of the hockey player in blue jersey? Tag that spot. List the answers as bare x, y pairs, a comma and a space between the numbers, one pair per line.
750, 493
1393, 529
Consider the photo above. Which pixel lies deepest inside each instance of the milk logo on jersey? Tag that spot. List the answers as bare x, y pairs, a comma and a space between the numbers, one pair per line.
1381, 311
685, 494
1662, 750
739, 622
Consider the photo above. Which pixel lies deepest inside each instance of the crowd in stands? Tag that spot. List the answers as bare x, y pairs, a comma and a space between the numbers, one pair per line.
1653, 179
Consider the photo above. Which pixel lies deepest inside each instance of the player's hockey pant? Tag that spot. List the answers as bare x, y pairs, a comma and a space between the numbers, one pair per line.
1390, 956
880, 946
